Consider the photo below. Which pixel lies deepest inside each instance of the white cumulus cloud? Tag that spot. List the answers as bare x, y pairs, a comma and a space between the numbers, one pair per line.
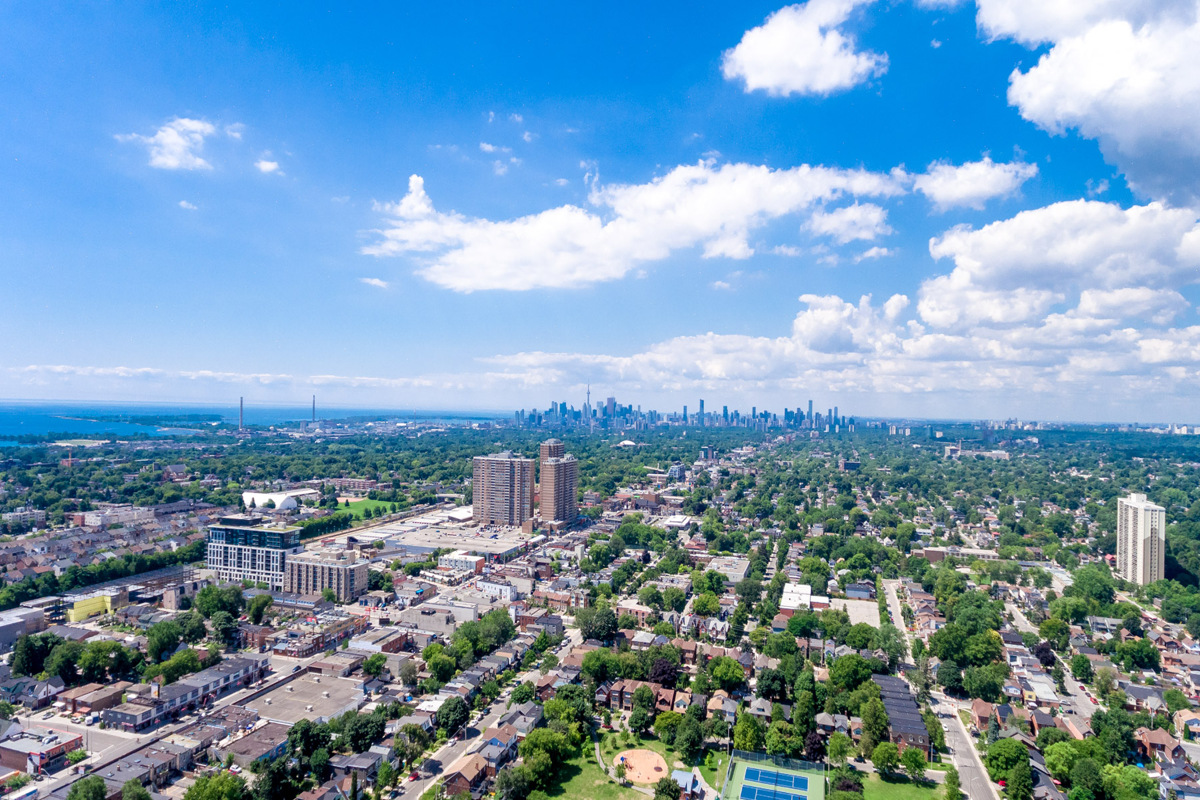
857, 221
266, 167
186, 205
800, 49
176, 144
1016, 269
378, 283
701, 205
971, 184
1122, 72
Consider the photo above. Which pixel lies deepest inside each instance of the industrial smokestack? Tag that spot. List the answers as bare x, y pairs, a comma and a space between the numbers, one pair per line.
314, 408
241, 411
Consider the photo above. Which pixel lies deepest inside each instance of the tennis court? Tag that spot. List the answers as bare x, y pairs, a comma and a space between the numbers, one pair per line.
761, 793
763, 780
771, 777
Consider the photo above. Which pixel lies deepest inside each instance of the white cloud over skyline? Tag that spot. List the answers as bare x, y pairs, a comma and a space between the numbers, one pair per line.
702, 205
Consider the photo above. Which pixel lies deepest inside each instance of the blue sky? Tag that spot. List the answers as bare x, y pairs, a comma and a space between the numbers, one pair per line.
917, 208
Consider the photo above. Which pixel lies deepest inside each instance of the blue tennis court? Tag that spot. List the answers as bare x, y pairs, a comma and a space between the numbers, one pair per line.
761, 793
773, 778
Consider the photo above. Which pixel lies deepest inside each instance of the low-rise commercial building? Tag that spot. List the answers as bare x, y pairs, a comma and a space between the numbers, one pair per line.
461, 560
36, 750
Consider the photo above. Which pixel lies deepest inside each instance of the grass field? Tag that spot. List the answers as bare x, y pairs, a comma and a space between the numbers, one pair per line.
714, 776
357, 507
876, 789
737, 777
581, 777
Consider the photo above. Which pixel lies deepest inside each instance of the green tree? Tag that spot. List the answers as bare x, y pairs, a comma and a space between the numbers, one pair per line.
133, 790
875, 724
191, 626
666, 724
1060, 759
885, 757
274, 781
1176, 700
453, 714
212, 599
224, 626
63, 661
748, 733
219, 786
640, 720
706, 605
952, 784
512, 783
366, 729
913, 759
1020, 781
258, 606
374, 664
599, 624
305, 737
689, 739
1081, 668
386, 775
1003, 756
666, 789
90, 788
161, 639
524, 692
838, 749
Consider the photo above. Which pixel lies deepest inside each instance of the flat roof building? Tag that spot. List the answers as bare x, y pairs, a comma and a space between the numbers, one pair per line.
339, 571
240, 548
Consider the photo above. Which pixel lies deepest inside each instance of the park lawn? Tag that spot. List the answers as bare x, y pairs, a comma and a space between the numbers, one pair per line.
875, 788
357, 507
715, 776
580, 777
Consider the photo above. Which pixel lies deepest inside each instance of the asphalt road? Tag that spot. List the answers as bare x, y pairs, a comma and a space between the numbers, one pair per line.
971, 772
890, 588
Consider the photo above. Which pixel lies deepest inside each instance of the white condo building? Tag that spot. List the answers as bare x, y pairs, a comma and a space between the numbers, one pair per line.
1141, 539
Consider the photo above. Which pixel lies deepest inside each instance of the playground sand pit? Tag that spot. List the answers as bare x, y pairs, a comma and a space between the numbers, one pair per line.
642, 766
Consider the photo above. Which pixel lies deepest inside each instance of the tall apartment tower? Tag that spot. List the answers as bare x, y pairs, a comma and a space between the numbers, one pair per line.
502, 488
551, 448
559, 483
1141, 539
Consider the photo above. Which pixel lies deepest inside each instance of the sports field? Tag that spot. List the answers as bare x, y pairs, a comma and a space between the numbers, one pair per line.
763, 780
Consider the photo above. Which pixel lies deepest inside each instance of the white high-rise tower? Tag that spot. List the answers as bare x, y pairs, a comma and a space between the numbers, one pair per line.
1141, 539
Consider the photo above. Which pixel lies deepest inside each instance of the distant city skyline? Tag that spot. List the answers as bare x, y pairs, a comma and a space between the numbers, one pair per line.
911, 210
